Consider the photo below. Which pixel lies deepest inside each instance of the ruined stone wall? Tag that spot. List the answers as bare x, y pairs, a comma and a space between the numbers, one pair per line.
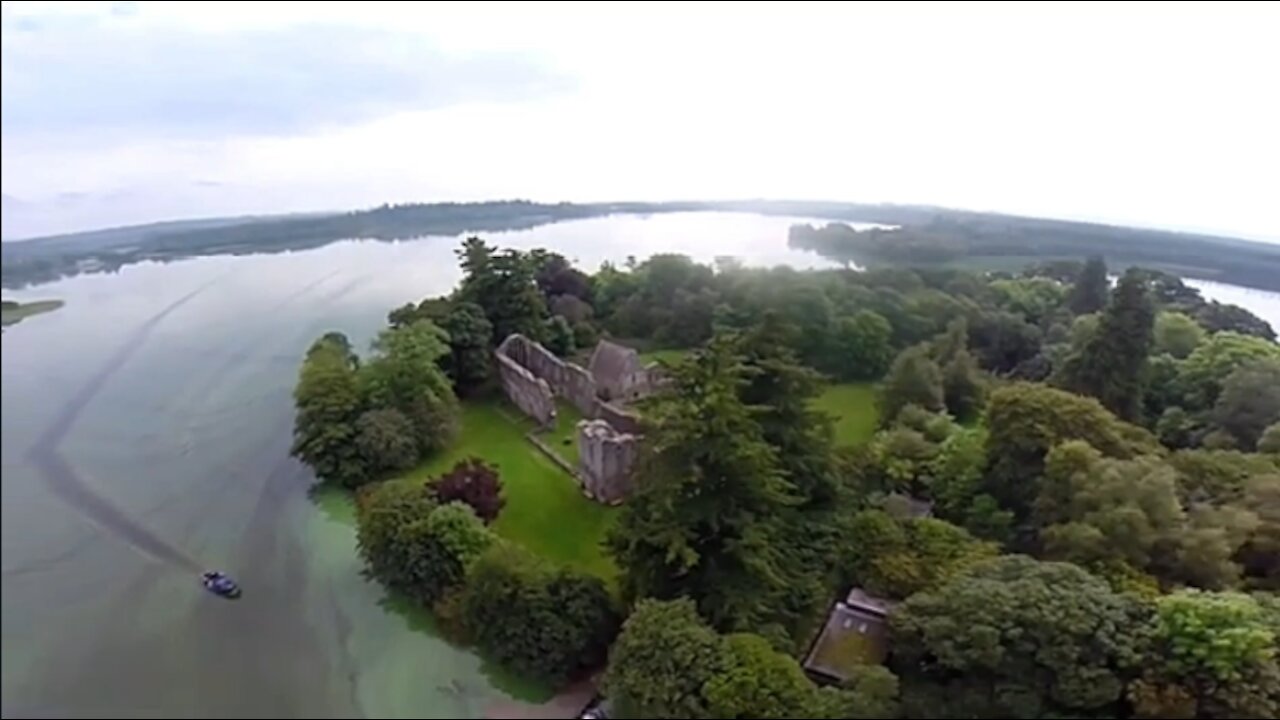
623, 420
532, 395
567, 380
606, 457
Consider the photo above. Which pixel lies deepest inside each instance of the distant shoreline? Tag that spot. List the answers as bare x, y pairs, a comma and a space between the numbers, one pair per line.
913, 236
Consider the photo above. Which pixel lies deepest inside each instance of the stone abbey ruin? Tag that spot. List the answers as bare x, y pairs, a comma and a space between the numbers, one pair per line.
608, 440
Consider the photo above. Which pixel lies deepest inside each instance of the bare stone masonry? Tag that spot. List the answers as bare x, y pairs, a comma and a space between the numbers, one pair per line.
533, 377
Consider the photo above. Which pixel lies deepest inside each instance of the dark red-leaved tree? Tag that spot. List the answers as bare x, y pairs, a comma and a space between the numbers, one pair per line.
474, 482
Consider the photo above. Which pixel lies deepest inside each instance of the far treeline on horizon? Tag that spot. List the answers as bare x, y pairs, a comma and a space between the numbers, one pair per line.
912, 236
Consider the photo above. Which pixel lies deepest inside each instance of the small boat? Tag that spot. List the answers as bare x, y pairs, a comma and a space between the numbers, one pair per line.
220, 584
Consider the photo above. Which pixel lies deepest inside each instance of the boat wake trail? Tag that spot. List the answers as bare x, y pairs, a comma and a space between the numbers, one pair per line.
62, 478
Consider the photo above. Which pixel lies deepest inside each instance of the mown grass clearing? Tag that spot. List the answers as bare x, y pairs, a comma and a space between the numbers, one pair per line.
545, 511
854, 407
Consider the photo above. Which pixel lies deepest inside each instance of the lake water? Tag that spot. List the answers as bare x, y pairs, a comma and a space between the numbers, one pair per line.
146, 428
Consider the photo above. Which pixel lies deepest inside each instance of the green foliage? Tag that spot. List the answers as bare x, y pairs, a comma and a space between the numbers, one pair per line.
1015, 637
1089, 293
1218, 477
756, 681
667, 663
1207, 368
1111, 365
502, 283
470, 359
1025, 421
913, 379
1177, 334
559, 337
383, 513
385, 440
1250, 401
782, 392
328, 403
1092, 509
547, 623
664, 656
1270, 440
899, 557
706, 515
1032, 298
860, 348
404, 374
1214, 656
963, 390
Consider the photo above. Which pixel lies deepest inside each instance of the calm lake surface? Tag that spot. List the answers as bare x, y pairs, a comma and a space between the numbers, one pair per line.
146, 428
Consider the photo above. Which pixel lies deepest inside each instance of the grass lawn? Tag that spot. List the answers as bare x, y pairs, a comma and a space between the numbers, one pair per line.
669, 355
545, 511
854, 406
564, 438
14, 312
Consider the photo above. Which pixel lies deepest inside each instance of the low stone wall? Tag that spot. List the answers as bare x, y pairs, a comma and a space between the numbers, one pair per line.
622, 420
606, 457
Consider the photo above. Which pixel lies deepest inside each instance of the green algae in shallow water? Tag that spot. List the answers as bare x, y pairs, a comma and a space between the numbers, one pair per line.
419, 619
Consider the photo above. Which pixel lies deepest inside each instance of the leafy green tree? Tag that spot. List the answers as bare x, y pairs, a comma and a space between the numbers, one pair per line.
1026, 420
1250, 401
1260, 556
382, 513
1089, 293
559, 336
756, 681
1270, 440
548, 623
664, 656
963, 390
710, 495
913, 379
1218, 477
470, 358
1209, 365
404, 374
1094, 509
860, 347
899, 557
1112, 363
1177, 334
1176, 428
1003, 340
1161, 388
1015, 637
1214, 656
328, 405
385, 440
1032, 298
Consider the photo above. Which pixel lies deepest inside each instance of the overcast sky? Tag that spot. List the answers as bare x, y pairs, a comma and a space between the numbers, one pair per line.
1150, 114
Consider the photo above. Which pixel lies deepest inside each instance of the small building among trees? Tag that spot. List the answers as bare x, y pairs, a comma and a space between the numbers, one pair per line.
856, 633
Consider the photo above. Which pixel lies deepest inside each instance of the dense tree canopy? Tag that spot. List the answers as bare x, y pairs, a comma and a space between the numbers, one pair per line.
747, 522
545, 622
1111, 364
705, 518
1017, 637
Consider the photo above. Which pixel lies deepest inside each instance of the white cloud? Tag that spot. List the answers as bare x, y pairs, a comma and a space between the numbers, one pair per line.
1158, 115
